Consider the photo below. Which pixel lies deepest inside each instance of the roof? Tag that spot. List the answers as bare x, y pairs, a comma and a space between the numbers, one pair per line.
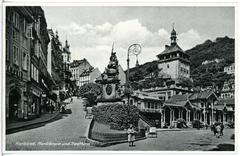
146, 96
178, 100
66, 50
76, 63
227, 101
170, 49
86, 72
202, 95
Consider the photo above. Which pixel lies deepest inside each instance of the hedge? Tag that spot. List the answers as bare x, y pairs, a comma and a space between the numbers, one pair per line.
118, 116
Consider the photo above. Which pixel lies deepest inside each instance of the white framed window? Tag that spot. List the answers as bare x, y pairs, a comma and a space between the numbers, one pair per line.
7, 50
14, 34
16, 20
24, 42
37, 26
29, 31
15, 55
24, 61
37, 48
32, 70
28, 62
9, 16
35, 73
24, 26
37, 78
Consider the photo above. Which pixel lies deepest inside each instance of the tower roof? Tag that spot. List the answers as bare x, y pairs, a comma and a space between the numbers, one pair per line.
173, 47
66, 48
170, 49
173, 32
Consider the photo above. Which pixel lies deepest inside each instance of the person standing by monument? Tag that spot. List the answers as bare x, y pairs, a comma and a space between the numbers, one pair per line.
131, 135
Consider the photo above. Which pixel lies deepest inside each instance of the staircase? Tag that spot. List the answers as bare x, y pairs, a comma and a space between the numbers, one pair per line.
146, 120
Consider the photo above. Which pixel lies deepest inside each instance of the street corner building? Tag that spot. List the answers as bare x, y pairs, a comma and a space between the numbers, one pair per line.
37, 65
26, 44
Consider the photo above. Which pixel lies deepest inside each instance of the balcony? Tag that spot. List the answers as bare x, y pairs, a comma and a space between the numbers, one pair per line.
150, 110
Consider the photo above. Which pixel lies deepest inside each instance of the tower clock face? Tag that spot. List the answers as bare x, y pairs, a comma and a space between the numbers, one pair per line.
109, 89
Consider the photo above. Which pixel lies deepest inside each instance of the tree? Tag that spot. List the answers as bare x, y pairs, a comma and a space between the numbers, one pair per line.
138, 75
90, 91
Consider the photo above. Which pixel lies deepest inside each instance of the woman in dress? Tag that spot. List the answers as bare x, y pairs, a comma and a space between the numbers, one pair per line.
131, 135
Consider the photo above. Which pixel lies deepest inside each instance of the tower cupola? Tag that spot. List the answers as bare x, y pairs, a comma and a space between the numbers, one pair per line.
173, 37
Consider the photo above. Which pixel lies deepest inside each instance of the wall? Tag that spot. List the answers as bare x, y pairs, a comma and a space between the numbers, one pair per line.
122, 75
175, 69
170, 68
94, 75
184, 70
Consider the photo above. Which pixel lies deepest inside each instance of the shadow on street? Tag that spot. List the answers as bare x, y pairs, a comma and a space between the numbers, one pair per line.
58, 117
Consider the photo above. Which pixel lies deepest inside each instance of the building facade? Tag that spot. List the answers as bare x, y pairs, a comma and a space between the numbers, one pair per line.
26, 62
228, 89
55, 64
88, 76
18, 19
80, 70
230, 69
173, 60
66, 54
203, 106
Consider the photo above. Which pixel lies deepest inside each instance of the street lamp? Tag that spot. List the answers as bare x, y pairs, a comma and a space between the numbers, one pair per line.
136, 50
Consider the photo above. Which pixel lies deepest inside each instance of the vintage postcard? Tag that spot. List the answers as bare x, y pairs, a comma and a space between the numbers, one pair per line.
119, 77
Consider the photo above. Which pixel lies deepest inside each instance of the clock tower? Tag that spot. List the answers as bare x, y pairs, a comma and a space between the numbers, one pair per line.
110, 82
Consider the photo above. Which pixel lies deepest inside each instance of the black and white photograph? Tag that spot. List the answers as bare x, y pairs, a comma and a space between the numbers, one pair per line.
112, 77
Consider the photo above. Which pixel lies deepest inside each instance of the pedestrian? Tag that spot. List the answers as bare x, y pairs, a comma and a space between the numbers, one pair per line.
221, 131
131, 135
51, 108
218, 131
71, 99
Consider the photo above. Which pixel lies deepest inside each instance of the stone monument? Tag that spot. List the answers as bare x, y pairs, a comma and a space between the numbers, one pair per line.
110, 82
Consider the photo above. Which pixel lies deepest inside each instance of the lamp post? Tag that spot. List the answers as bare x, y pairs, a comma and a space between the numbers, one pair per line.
136, 50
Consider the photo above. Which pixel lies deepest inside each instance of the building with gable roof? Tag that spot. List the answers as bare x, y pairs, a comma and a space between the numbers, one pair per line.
173, 60
83, 72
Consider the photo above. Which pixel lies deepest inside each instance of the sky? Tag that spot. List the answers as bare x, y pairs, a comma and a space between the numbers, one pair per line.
91, 30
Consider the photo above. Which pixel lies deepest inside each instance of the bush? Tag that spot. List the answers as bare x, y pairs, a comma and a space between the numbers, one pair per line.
116, 115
